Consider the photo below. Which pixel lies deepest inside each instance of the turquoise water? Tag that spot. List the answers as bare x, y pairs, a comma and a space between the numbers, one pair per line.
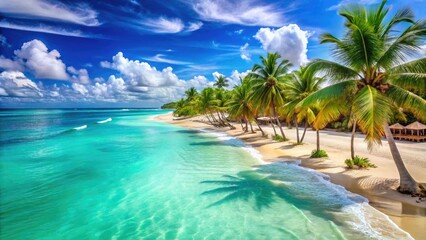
129, 177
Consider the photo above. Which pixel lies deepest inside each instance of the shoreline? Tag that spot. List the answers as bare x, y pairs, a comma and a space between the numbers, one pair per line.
373, 184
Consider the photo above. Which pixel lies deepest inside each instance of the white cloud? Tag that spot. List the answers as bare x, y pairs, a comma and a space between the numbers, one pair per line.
164, 25
239, 31
347, 2
248, 13
168, 25
44, 64
423, 50
141, 73
16, 84
235, 77
244, 53
42, 9
80, 88
9, 64
160, 58
289, 41
3, 41
45, 29
79, 76
194, 26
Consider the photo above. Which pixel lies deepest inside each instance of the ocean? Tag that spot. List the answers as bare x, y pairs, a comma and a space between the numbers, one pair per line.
118, 174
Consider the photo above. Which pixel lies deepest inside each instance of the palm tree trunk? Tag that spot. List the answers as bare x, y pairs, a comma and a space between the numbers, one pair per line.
242, 126
258, 125
209, 119
278, 121
407, 184
273, 127
318, 140
297, 129
251, 126
246, 126
352, 139
304, 131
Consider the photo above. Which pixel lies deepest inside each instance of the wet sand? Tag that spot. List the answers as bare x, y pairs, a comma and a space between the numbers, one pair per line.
377, 184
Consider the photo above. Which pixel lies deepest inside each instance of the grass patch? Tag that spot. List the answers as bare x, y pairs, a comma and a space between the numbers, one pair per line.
359, 162
318, 153
279, 138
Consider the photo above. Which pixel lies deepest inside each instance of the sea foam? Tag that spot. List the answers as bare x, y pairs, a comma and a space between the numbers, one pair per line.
80, 128
104, 121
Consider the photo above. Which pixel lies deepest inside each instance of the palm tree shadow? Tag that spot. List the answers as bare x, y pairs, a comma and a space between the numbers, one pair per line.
246, 186
268, 183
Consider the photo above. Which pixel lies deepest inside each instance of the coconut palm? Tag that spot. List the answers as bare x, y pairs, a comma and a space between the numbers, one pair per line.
268, 84
221, 82
207, 104
302, 84
373, 68
191, 94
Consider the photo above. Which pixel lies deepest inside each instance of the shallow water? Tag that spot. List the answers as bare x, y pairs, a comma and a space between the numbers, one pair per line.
124, 176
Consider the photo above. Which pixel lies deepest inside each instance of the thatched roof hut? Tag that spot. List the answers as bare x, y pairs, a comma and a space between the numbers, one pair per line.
416, 128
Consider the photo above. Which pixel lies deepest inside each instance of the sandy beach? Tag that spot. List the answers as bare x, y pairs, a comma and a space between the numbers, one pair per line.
377, 184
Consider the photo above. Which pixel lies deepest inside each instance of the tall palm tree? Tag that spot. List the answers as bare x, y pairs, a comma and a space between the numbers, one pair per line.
268, 83
303, 83
221, 82
374, 69
191, 94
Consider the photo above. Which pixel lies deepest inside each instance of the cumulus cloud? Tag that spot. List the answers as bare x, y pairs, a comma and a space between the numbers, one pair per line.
239, 31
244, 53
9, 64
289, 41
42, 9
141, 73
249, 13
44, 64
236, 76
79, 76
16, 84
3, 41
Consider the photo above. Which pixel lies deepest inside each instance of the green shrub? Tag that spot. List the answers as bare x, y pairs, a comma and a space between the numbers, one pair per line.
279, 138
318, 153
360, 162
187, 111
349, 163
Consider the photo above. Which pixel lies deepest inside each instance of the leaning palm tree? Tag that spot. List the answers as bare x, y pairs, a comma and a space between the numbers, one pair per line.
207, 103
303, 82
267, 81
374, 69
221, 82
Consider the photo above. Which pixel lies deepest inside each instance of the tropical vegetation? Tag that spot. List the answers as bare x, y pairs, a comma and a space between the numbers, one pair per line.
374, 81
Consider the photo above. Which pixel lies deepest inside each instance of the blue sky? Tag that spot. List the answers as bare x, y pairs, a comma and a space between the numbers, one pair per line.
139, 53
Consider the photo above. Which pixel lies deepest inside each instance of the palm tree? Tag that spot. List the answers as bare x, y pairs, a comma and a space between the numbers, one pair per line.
268, 83
191, 94
207, 104
375, 71
302, 84
221, 82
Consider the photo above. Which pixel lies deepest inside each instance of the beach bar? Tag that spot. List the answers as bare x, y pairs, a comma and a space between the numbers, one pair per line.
415, 132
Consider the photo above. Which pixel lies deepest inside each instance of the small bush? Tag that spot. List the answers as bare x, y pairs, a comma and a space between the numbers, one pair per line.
349, 163
279, 138
318, 154
360, 162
